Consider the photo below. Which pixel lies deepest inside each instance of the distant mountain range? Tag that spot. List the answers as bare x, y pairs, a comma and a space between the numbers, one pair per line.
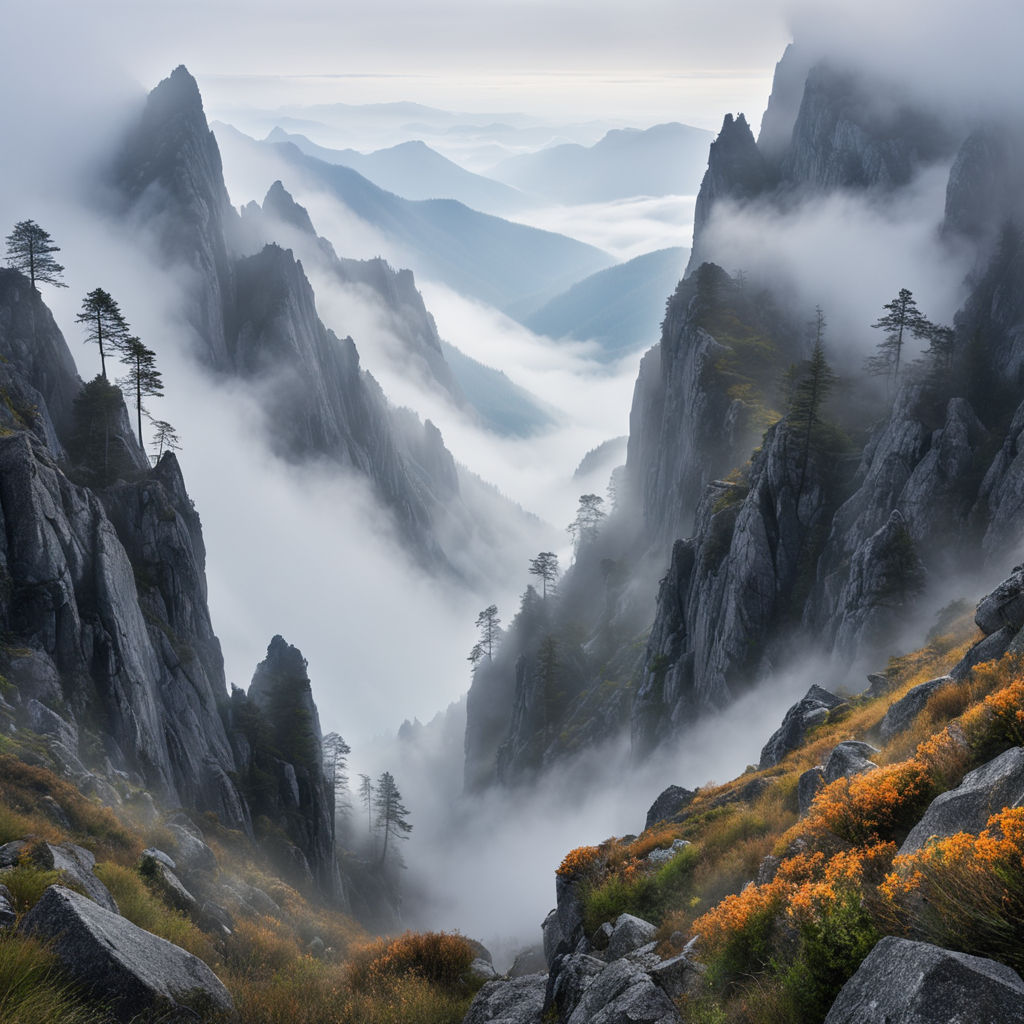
668, 159
621, 307
510, 266
415, 171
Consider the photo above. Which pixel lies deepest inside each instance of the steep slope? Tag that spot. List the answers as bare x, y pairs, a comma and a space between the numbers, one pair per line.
510, 266
667, 159
413, 170
619, 307
109, 650
254, 317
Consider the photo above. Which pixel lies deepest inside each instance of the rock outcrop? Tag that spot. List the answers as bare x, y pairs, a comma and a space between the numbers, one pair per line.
967, 808
917, 983
131, 969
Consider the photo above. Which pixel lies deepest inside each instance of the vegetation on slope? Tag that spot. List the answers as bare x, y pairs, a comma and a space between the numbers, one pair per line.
305, 964
829, 884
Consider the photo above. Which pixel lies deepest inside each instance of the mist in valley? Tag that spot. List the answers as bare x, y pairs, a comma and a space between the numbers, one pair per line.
309, 552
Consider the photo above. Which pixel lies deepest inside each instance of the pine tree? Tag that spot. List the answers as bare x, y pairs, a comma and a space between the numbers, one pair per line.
336, 751
104, 324
810, 389
545, 565
30, 249
490, 633
366, 795
165, 438
143, 378
902, 322
391, 814
588, 518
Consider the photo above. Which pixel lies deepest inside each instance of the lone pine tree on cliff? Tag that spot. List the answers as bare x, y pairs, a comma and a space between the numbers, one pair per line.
30, 250
545, 565
490, 633
901, 322
104, 324
143, 378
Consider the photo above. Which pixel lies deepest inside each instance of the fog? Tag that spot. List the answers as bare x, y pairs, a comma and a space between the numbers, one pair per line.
485, 865
850, 254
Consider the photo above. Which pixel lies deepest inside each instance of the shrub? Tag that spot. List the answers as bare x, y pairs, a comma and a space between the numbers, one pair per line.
966, 892
440, 958
578, 862
27, 882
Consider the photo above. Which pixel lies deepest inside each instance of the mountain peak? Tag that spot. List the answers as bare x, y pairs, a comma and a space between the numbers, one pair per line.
279, 203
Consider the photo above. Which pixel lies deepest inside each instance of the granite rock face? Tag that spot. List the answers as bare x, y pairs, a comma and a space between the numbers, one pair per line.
917, 983
134, 971
812, 709
982, 793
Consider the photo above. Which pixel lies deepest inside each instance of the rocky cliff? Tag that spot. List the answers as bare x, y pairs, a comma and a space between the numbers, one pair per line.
254, 317
109, 654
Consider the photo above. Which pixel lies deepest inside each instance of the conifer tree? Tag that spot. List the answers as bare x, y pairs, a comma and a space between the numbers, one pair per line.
366, 795
490, 633
810, 389
143, 378
588, 518
902, 321
545, 565
391, 814
30, 250
104, 324
336, 751
165, 438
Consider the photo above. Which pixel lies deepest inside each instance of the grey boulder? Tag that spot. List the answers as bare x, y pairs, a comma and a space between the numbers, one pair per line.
193, 853
7, 914
629, 934
811, 710
528, 961
901, 715
516, 1001
808, 786
670, 802
848, 759
983, 792
1004, 606
904, 982
128, 968
624, 994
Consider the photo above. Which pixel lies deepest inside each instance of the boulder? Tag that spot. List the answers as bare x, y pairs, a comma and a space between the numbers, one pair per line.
668, 804
10, 853
629, 934
554, 942
992, 648
983, 792
528, 961
848, 759
906, 982
677, 976
482, 969
659, 857
160, 857
811, 710
7, 913
55, 812
77, 866
569, 978
193, 853
600, 939
1004, 606
624, 994
570, 911
809, 785
174, 891
516, 1001
901, 715
122, 965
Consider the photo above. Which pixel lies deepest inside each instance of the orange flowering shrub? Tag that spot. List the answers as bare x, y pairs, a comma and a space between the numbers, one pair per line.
579, 861
440, 958
871, 807
966, 890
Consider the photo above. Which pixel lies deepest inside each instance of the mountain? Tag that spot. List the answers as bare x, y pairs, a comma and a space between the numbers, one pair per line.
509, 266
619, 307
769, 543
415, 171
110, 655
253, 316
667, 159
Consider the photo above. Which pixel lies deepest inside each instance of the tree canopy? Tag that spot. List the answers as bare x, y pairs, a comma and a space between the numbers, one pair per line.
30, 250
104, 324
490, 633
143, 378
392, 815
545, 565
901, 322
588, 518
